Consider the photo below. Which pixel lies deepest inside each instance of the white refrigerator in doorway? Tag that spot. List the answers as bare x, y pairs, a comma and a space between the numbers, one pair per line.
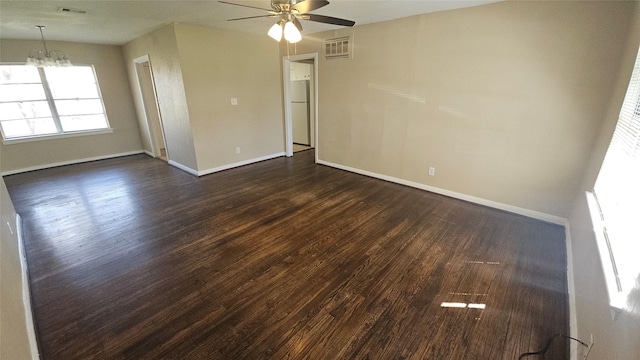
300, 112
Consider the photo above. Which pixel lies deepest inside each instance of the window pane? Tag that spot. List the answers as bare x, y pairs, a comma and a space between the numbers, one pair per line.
79, 107
64, 90
617, 189
618, 197
19, 74
18, 92
74, 103
28, 127
24, 110
72, 82
86, 122
72, 74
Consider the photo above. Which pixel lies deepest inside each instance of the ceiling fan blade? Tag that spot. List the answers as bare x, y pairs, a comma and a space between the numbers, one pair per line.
251, 17
243, 5
328, 20
306, 6
296, 22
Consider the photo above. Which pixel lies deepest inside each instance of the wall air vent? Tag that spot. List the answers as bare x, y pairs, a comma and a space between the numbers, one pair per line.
338, 48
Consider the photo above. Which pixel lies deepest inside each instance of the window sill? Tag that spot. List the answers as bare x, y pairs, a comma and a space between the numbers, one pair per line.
617, 299
57, 136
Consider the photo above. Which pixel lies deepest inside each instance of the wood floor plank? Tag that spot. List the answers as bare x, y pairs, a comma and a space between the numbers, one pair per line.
130, 258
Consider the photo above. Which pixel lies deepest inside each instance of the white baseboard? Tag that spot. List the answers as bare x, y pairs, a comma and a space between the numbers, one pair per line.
149, 153
26, 292
241, 163
183, 168
71, 162
496, 205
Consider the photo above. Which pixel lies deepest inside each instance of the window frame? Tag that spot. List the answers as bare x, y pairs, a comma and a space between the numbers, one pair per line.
44, 82
615, 295
610, 241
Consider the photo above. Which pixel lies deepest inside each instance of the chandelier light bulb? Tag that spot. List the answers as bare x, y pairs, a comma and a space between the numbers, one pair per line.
291, 33
276, 32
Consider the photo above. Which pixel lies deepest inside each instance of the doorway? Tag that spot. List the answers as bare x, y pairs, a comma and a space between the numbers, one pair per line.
300, 74
154, 142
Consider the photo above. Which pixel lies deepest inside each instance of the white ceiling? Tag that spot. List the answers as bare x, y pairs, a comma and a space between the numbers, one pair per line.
119, 21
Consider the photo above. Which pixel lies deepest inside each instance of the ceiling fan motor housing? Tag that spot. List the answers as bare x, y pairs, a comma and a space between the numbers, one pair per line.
285, 2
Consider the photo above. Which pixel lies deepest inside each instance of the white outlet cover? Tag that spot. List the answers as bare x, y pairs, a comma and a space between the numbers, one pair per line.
234, 101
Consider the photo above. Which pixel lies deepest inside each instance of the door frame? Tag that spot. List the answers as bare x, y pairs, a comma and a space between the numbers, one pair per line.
286, 75
155, 152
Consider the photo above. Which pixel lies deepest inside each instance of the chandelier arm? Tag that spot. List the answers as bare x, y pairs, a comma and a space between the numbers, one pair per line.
44, 43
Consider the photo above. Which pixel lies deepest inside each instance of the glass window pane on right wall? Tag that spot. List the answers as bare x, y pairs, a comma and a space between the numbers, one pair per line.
617, 190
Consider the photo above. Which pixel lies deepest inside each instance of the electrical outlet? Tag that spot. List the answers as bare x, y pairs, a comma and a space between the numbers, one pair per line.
587, 350
238, 150
234, 101
432, 171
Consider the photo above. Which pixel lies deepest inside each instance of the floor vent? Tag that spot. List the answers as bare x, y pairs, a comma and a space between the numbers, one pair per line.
338, 48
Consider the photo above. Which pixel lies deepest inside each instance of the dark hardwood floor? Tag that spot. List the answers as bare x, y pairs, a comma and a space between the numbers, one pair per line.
130, 258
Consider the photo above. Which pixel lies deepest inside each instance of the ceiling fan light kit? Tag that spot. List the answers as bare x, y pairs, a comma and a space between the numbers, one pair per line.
44, 58
290, 12
291, 33
275, 32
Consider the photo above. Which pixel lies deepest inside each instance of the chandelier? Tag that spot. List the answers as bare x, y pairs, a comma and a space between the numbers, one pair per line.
41, 58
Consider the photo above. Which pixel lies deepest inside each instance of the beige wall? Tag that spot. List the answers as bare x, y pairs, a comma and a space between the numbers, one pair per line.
14, 341
619, 338
197, 70
162, 49
217, 66
504, 100
116, 94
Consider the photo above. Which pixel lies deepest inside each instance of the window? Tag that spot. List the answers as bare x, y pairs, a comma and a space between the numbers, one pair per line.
617, 191
37, 102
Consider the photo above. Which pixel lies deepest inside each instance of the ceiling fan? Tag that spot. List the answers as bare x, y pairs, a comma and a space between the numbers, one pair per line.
289, 13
